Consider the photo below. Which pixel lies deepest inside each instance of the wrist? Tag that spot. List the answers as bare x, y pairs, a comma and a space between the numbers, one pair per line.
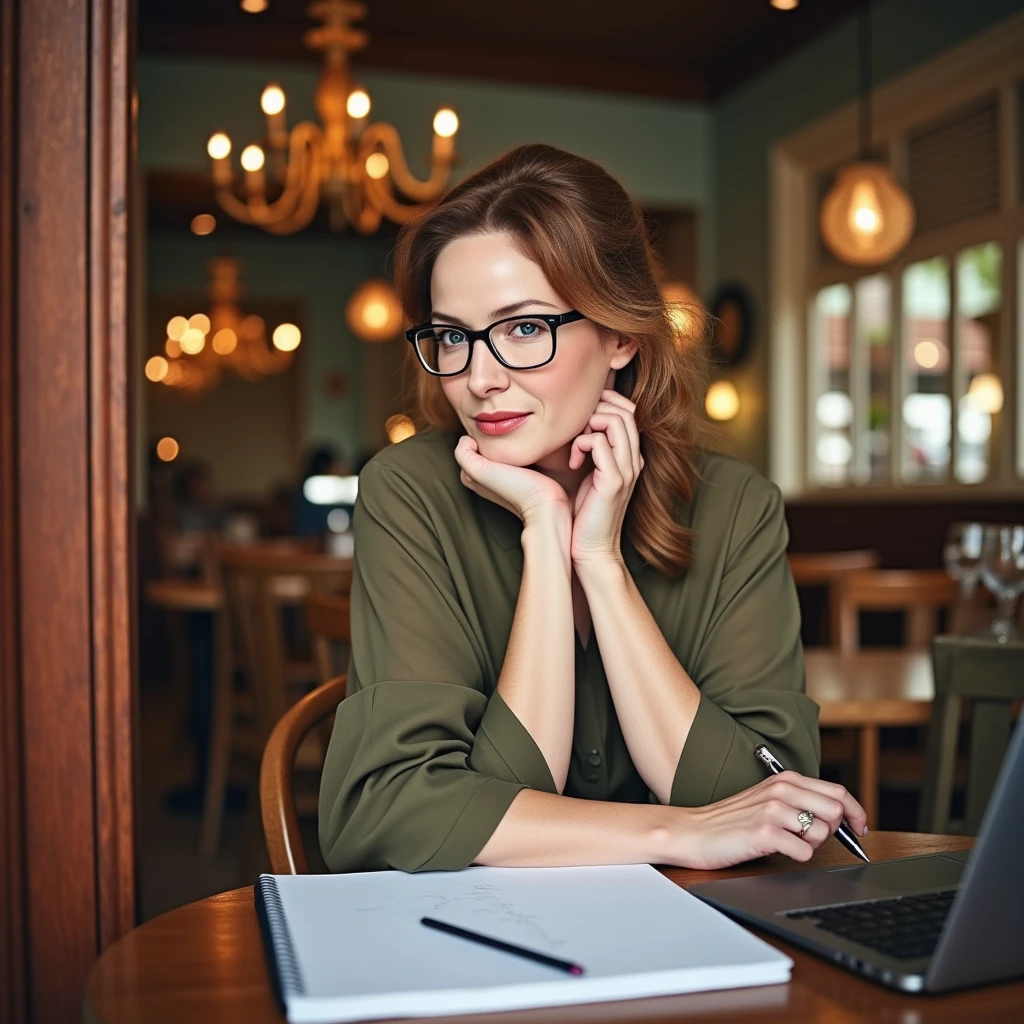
601, 571
548, 529
672, 836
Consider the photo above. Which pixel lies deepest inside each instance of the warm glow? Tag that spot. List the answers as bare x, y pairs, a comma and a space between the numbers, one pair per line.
286, 337
926, 354
176, 327
251, 327
156, 368
684, 311
203, 223
219, 146
785, 5
865, 213
224, 341
374, 312
252, 158
175, 373
377, 166
723, 401
173, 347
986, 393
254, 6
358, 104
272, 100
192, 341
398, 428
446, 122
167, 449
199, 322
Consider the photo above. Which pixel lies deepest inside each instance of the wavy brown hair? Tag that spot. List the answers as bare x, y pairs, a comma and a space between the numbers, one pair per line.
577, 222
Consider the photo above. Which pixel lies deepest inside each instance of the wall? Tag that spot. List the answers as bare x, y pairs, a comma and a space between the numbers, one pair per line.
749, 121
659, 149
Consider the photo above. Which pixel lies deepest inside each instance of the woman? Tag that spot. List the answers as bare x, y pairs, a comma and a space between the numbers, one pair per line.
570, 626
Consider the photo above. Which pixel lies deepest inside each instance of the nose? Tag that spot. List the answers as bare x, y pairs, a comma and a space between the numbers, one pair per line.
486, 374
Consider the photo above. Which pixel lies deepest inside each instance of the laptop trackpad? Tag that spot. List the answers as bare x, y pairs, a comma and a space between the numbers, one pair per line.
901, 876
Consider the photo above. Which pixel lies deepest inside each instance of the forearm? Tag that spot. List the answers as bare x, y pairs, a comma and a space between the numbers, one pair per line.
544, 830
537, 679
655, 700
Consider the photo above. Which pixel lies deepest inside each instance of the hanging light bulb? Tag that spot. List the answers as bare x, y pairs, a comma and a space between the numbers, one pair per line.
866, 218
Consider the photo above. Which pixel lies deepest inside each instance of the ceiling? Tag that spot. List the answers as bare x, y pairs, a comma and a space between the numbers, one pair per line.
686, 49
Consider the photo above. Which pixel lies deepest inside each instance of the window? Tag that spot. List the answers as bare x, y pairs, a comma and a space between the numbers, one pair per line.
913, 372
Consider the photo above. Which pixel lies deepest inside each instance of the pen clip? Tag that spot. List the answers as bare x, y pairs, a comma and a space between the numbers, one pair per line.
762, 753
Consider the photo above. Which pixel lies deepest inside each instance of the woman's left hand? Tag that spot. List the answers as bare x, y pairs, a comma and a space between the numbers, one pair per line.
613, 442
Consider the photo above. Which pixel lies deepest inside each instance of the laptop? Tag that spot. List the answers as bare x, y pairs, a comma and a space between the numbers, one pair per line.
919, 924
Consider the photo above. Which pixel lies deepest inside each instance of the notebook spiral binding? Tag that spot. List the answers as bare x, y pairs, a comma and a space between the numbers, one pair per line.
288, 975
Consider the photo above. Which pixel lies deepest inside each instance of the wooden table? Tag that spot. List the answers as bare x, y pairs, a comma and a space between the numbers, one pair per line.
204, 963
866, 690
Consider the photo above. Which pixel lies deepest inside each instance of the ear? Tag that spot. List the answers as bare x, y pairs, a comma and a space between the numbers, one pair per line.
623, 352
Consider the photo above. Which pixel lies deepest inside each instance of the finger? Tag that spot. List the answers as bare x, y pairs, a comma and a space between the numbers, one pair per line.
852, 810
800, 798
627, 410
614, 426
614, 398
778, 840
600, 450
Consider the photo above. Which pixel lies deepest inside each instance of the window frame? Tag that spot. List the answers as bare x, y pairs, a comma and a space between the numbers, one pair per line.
991, 63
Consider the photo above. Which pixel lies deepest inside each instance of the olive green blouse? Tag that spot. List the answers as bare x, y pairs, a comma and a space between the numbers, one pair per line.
426, 757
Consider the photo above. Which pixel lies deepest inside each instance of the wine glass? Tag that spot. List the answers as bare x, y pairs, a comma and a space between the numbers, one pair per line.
962, 556
1002, 571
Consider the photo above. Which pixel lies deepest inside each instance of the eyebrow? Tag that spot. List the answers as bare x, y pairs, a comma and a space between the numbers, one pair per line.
496, 314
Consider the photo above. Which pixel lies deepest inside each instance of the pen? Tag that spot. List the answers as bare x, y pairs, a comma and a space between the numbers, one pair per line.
506, 947
844, 833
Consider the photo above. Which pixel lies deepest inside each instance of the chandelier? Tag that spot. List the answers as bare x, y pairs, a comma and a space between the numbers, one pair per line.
358, 169
200, 348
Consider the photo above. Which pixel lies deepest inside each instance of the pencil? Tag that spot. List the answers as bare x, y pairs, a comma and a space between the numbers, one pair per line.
506, 947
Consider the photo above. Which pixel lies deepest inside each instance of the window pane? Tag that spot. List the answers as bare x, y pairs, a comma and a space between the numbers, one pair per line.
979, 298
832, 457
926, 404
874, 345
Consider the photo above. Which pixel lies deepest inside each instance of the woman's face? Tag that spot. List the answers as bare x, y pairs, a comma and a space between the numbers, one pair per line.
479, 279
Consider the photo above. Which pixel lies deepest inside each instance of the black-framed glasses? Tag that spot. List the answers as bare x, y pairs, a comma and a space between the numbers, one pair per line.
522, 342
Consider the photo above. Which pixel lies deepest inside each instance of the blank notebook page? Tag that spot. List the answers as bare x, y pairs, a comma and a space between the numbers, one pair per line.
351, 947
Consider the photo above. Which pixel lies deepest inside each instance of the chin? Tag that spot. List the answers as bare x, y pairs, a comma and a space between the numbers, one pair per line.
509, 450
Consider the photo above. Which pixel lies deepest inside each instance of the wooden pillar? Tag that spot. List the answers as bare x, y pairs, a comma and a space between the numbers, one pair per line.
66, 649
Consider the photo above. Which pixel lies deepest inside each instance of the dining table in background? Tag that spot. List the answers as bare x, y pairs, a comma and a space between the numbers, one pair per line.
205, 962
866, 691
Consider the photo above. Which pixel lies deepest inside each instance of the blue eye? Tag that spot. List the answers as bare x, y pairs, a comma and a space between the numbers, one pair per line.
451, 338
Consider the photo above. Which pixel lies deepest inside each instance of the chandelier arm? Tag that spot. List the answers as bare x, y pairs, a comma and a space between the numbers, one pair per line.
307, 204
383, 198
387, 138
359, 209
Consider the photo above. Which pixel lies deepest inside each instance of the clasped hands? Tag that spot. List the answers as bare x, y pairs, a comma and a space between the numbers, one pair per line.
612, 440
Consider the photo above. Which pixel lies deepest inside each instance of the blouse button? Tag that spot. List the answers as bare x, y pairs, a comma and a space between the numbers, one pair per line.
594, 758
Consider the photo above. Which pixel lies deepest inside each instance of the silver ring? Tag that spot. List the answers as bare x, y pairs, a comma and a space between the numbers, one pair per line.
806, 819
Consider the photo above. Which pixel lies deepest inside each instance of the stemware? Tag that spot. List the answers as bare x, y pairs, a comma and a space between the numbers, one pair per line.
1002, 572
962, 556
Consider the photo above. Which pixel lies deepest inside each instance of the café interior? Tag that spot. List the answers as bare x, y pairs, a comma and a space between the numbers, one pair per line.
835, 189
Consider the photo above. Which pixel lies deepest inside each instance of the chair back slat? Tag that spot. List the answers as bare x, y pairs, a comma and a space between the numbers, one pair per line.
990, 674
277, 790
826, 569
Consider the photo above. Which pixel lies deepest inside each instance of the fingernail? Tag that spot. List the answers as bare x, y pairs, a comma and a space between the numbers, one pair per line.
864, 831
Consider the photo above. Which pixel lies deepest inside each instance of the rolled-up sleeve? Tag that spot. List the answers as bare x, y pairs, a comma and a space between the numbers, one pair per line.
750, 667
425, 757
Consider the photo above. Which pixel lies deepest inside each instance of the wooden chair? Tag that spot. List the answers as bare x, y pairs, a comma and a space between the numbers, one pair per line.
277, 791
990, 674
258, 582
327, 616
919, 594
826, 569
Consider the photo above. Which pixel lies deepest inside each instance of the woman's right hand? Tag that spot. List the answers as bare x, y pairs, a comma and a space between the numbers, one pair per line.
525, 492
762, 820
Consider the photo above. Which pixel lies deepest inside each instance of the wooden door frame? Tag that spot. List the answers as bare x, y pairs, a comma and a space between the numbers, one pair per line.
67, 707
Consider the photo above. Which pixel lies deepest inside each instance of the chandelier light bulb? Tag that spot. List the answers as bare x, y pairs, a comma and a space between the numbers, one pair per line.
254, 6
866, 217
173, 347
224, 341
199, 322
219, 146
272, 100
286, 337
167, 449
446, 122
176, 327
785, 5
252, 158
203, 224
358, 104
377, 166
192, 341
723, 400
156, 368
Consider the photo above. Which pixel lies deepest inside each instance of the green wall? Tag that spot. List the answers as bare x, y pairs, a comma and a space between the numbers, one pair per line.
746, 124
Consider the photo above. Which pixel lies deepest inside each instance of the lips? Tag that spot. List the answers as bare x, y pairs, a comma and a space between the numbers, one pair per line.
500, 422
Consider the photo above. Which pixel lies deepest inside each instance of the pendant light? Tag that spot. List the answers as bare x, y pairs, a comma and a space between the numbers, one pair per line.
866, 218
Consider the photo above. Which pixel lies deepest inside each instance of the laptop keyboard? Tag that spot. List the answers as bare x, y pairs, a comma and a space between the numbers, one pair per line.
905, 928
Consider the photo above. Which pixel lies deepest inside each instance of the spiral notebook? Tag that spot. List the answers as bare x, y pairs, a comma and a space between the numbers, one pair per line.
351, 947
